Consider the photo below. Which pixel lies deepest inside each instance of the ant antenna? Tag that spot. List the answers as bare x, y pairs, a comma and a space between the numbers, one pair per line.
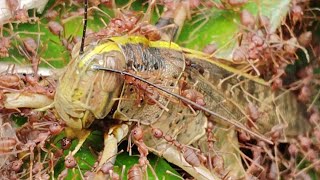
84, 26
230, 121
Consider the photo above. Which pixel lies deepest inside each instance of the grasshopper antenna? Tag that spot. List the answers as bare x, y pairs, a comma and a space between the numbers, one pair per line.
85, 20
230, 121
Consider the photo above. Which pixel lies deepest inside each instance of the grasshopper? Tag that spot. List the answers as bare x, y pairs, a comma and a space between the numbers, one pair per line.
220, 85
94, 85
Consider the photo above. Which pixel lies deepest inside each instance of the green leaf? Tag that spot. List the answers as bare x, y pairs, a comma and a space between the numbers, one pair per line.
159, 165
94, 143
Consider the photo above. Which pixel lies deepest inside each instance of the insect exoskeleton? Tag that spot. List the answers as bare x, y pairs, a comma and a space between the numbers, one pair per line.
84, 94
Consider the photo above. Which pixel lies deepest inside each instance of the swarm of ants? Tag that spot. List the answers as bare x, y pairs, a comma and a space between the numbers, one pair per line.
270, 54
32, 150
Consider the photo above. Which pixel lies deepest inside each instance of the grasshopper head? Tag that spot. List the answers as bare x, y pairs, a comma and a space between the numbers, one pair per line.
84, 94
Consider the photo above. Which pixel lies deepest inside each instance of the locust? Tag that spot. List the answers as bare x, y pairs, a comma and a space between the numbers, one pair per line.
159, 85
77, 96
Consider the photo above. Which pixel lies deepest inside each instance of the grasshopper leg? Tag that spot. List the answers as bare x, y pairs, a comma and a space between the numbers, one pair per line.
82, 135
110, 150
174, 156
111, 139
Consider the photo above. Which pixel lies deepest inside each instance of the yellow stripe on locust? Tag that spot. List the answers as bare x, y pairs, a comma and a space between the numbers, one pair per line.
105, 47
123, 40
